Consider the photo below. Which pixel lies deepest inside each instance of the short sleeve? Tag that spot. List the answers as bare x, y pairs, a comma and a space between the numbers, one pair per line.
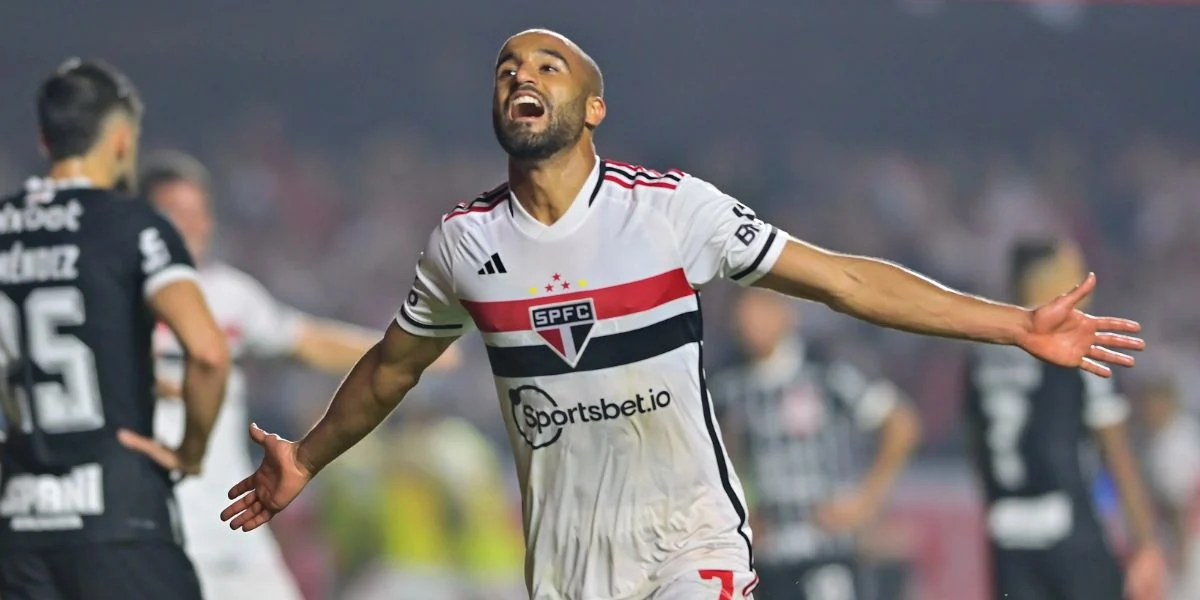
270, 328
868, 401
721, 237
162, 256
1102, 405
432, 308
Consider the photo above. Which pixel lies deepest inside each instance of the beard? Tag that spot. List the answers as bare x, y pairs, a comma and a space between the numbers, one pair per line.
563, 129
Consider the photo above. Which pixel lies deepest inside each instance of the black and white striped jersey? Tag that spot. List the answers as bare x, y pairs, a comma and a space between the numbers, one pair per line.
797, 421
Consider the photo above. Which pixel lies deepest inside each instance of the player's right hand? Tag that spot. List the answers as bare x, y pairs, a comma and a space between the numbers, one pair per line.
270, 488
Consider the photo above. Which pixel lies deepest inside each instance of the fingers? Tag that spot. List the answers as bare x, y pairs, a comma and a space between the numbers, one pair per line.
154, 450
1095, 368
256, 515
237, 507
1100, 353
242, 487
1116, 340
258, 435
1082, 290
258, 521
1115, 324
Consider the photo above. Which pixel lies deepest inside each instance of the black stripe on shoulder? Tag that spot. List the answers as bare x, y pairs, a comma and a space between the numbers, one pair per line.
633, 172
483, 199
758, 259
410, 320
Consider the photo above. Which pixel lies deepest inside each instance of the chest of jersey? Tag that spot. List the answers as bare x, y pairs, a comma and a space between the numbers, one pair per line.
617, 272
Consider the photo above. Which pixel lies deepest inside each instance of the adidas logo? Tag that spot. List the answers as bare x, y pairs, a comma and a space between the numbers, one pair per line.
492, 266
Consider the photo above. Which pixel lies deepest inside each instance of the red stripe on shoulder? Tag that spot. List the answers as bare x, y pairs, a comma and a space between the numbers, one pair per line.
484, 203
630, 176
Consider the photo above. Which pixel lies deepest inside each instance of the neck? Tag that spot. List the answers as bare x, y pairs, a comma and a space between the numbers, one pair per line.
88, 167
782, 347
547, 188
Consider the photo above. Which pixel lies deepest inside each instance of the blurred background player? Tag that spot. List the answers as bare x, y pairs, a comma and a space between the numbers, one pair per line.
794, 419
84, 272
1031, 425
256, 325
1173, 469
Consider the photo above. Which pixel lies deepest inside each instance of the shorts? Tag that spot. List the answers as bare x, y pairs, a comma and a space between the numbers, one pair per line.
1064, 572
709, 584
149, 570
240, 580
824, 579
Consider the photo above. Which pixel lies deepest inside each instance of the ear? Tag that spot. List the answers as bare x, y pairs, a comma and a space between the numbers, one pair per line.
595, 112
42, 147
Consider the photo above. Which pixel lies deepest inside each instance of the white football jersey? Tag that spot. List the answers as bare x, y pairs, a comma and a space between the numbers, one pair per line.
593, 331
255, 325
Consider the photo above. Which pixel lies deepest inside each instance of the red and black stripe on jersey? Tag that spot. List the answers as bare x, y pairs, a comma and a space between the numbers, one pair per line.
630, 176
602, 352
484, 203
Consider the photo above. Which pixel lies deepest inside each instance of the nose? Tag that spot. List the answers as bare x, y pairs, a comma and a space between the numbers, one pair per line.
526, 74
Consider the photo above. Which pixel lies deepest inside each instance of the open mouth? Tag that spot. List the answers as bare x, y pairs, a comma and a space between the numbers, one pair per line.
526, 106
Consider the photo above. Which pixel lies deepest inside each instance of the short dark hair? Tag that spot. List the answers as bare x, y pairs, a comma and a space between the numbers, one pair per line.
170, 166
1024, 255
74, 101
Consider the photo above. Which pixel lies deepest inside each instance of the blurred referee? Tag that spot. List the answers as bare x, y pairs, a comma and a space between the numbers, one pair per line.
795, 418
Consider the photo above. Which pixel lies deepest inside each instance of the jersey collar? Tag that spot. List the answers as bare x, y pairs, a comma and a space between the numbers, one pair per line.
570, 220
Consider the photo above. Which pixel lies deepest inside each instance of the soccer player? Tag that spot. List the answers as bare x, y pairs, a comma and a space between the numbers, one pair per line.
256, 325
84, 274
582, 276
1028, 421
795, 418
1173, 465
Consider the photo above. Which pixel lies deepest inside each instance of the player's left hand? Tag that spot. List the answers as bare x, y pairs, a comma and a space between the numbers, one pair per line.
1146, 574
1063, 335
846, 512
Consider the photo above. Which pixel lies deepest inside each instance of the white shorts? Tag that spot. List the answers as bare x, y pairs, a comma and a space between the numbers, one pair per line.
231, 581
709, 584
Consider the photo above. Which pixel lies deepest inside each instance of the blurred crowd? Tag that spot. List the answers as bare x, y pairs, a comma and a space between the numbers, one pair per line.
337, 235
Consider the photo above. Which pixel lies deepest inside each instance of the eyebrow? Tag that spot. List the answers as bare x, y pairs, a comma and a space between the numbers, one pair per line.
510, 55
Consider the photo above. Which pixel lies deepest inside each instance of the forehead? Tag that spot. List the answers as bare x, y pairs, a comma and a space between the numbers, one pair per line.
179, 192
526, 45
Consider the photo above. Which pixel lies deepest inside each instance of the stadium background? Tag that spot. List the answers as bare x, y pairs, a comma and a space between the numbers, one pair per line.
929, 132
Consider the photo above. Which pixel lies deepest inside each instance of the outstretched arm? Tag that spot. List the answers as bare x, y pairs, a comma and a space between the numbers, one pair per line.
374, 387
335, 347
889, 295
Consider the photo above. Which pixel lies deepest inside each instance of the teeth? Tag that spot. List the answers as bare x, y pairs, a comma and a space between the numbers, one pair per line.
527, 100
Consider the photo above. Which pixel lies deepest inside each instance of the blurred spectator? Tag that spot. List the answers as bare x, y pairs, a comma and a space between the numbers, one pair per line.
1173, 461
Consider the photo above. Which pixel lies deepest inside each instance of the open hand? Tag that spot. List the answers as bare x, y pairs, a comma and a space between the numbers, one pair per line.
270, 488
1063, 335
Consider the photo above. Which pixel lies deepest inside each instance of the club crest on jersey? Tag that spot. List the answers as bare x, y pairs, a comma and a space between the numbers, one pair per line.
565, 326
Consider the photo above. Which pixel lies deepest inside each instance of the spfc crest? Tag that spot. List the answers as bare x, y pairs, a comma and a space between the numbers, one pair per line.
565, 326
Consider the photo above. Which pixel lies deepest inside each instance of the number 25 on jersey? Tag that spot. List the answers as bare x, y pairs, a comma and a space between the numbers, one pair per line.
66, 394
